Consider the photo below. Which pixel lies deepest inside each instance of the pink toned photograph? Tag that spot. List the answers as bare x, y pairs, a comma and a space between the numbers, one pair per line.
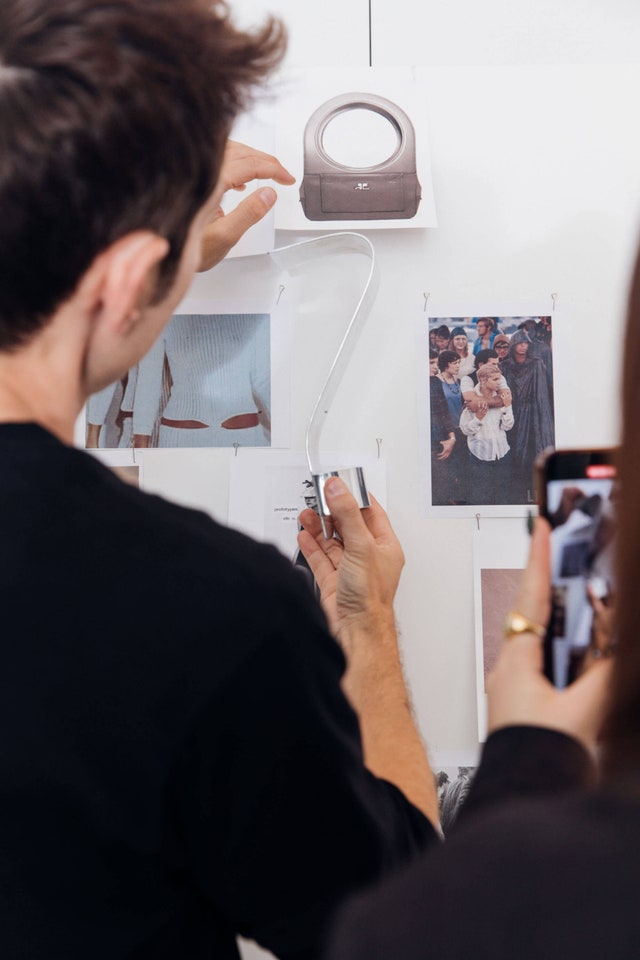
499, 588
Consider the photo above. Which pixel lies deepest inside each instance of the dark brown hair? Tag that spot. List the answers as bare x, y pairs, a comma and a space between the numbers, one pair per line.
113, 117
445, 357
621, 755
483, 356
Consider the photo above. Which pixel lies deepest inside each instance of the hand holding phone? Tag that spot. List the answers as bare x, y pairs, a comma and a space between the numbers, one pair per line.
517, 691
576, 490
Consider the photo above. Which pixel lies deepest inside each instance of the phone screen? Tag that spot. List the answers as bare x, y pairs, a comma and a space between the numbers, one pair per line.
578, 498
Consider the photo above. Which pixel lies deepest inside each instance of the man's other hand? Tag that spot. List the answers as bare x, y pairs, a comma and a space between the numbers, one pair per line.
240, 165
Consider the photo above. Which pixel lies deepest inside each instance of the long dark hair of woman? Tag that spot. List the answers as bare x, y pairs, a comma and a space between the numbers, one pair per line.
621, 756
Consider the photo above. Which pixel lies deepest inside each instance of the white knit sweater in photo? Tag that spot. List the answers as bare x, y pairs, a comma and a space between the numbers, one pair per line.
219, 367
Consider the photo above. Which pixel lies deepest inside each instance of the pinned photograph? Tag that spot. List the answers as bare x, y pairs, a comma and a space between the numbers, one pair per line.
490, 410
356, 141
500, 550
452, 785
499, 588
206, 382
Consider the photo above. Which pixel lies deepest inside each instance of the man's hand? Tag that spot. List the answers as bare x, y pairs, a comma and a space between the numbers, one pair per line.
517, 690
447, 447
357, 574
240, 165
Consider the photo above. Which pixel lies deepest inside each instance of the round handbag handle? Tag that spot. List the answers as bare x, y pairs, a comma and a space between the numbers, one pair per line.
317, 160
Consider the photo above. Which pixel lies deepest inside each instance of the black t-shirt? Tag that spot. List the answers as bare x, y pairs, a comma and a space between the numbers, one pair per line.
177, 763
539, 866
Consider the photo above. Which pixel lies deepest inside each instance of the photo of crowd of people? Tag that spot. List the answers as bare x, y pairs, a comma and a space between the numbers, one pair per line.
491, 407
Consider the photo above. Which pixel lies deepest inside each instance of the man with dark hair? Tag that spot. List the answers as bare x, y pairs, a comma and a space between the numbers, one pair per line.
183, 766
442, 338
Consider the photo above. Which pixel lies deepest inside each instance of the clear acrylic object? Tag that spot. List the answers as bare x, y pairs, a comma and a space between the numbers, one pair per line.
292, 257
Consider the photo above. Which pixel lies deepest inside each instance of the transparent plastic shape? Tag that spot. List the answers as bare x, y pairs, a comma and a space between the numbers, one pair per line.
292, 257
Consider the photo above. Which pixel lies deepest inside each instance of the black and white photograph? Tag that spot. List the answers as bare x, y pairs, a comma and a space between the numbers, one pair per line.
269, 488
356, 142
491, 407
452, 785
206, 382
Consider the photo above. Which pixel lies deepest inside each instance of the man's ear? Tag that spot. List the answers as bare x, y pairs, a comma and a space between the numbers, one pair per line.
128, 270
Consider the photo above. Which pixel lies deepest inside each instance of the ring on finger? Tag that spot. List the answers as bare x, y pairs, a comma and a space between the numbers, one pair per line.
516, 623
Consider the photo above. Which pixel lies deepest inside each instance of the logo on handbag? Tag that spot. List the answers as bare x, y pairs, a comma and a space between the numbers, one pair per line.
334, 191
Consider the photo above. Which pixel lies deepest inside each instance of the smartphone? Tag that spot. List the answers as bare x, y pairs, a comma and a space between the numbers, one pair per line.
576, 491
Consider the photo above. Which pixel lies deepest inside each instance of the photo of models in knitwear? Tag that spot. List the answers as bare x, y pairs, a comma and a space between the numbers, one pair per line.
205, 383
491, 407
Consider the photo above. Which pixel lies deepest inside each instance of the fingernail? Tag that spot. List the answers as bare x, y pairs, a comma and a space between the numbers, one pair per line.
268, 196
334, 487
530, 522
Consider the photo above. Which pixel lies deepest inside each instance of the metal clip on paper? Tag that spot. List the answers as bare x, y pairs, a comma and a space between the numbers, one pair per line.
320, 472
